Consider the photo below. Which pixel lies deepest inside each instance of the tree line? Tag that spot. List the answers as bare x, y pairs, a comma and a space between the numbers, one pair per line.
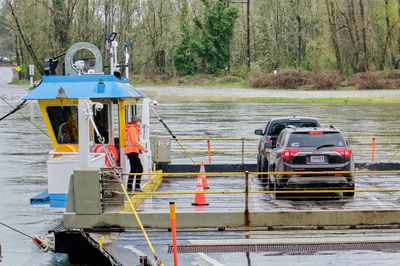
185, 37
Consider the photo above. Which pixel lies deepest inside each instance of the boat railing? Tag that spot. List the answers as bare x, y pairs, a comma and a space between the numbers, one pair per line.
55, 155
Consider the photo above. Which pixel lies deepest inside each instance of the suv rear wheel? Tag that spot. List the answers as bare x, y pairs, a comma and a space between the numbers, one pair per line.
276, 188
349, 194
264, 168
259, 166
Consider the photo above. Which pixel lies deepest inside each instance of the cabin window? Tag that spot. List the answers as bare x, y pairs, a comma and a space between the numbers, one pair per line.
130, 111
101, 121
64, 121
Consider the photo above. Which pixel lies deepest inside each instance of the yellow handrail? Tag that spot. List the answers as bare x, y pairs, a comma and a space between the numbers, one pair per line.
236, 192
248, 138
278, 173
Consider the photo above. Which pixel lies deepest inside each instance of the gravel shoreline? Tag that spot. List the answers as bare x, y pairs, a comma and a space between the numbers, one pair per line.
159, 92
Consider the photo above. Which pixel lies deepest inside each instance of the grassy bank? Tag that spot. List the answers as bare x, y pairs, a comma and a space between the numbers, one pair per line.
283, 79
322, 100
195, 80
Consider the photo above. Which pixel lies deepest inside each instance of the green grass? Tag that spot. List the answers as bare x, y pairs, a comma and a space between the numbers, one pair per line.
22, 82
320, 100
195, 80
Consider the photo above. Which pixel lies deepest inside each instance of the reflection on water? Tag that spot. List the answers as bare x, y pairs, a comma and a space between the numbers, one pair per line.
23, 153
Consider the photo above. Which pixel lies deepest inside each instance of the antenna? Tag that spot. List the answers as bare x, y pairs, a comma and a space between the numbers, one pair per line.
125, 48
112, 45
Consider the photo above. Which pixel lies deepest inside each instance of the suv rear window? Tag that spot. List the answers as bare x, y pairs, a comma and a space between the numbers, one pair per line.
279, 126
304, 139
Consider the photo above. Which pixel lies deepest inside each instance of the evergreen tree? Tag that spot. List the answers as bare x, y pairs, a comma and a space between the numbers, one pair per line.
185, 57
216, 31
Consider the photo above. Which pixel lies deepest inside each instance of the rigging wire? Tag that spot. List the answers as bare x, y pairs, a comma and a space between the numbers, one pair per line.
36, 240
172, 135
17, 108
16, 230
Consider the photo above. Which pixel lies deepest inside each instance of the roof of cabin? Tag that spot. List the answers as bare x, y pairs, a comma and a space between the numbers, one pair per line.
86, 86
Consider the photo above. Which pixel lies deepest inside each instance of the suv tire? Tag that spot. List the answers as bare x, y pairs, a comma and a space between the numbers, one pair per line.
277, 188
349, 194
264, 168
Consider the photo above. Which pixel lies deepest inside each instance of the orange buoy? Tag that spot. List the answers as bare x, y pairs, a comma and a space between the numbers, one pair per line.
64, 148
111, 149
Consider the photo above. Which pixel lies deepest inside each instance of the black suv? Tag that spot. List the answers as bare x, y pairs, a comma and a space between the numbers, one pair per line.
271, 132
308, 150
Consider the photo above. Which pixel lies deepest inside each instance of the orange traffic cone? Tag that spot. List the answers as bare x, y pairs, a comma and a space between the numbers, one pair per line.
199, 198
203, 176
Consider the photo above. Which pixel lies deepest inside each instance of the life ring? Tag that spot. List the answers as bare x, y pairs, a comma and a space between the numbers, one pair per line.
111, 149
64, 148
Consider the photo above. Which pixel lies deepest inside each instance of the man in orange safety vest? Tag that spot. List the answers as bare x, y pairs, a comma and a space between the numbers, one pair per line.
132, 149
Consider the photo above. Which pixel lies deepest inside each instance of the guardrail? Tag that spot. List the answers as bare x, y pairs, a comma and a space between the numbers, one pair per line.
231, 190
369, 148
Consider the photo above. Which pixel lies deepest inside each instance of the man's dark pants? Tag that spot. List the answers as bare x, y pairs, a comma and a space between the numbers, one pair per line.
136, 168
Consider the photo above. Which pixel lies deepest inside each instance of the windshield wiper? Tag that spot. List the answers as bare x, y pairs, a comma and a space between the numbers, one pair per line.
326, 145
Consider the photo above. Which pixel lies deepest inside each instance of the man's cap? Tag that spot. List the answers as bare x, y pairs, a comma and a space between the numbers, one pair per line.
135, 120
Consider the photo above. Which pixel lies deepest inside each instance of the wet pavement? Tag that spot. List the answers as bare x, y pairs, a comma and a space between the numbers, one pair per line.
261, 202
23, 155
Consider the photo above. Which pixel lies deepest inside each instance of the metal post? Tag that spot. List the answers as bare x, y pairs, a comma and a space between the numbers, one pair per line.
246, 208
115, 59
83, 123
173, 230
373, 150
248, 34
242, 152
146, 157
127, 64
209, 151
31, 74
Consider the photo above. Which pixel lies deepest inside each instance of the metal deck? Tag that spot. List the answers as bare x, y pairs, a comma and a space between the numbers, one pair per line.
213, 247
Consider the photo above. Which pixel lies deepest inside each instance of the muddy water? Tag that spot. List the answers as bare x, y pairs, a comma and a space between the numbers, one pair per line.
23, 155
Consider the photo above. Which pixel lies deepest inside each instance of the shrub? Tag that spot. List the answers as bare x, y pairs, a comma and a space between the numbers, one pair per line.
366, 81
326, 80
393, 74
287, 79
259, 80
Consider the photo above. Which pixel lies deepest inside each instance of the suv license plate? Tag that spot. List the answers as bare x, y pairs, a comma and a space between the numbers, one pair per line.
317, 159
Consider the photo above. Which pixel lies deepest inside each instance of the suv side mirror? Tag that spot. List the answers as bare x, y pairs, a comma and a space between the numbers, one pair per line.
259, 132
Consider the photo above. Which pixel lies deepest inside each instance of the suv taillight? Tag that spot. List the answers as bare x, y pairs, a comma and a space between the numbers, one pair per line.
287, 154
346, 153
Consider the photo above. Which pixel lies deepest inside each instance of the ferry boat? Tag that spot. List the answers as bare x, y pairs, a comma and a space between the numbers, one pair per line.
76, 105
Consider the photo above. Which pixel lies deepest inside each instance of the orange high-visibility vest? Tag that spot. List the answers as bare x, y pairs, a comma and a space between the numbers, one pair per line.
132, 133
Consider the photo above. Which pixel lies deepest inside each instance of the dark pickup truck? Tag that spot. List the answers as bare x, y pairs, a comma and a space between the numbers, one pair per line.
271, 132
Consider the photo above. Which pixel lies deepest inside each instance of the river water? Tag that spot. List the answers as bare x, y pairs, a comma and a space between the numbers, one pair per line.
24, 151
